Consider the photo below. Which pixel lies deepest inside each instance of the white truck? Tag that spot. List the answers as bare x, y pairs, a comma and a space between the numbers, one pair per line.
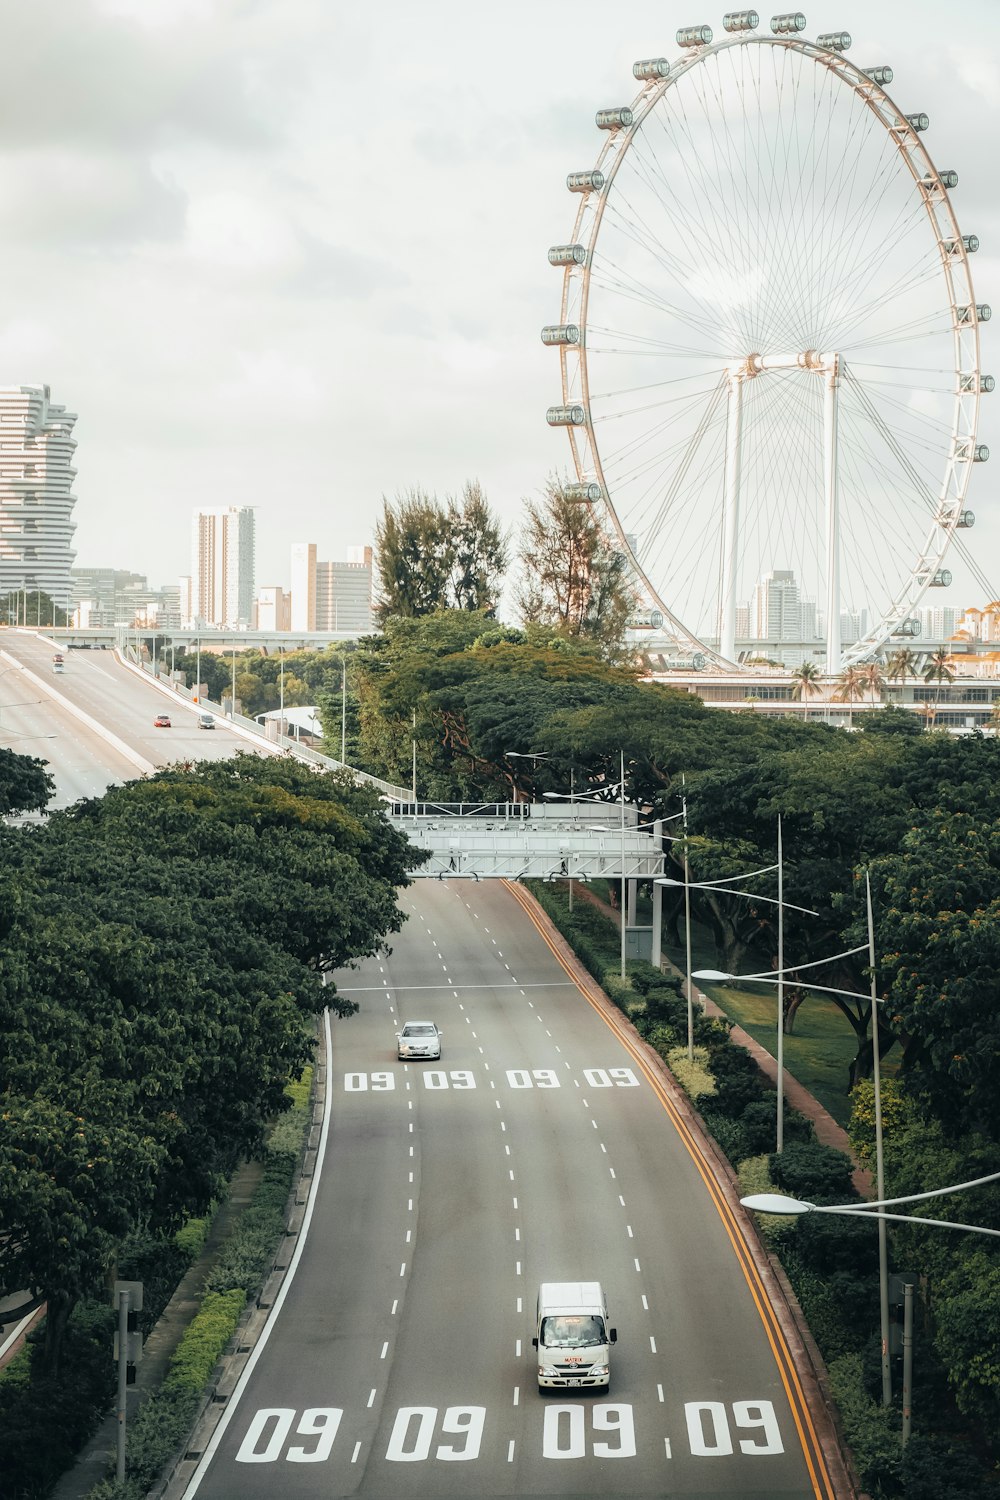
572, 1335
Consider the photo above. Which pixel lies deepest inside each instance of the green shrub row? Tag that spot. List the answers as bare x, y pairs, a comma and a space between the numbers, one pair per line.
245, 1260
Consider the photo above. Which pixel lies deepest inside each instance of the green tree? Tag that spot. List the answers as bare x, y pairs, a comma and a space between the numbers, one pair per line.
938, 669
940, 935
572, 576
25, 784
901, 664
479, 552
850, 688
806, 680
431, 556
162, 955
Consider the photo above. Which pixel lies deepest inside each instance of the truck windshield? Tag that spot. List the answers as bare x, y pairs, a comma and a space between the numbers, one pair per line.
571, 1332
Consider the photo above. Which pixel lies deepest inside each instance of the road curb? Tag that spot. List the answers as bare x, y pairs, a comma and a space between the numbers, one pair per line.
802, 1347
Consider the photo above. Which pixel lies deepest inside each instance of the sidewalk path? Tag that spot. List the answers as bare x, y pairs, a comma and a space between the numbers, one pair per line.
828, 1132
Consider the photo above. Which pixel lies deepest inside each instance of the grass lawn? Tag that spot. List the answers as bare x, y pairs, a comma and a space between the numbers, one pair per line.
819, 1052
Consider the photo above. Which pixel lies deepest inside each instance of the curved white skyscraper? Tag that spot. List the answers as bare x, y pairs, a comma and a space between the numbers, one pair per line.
36, 503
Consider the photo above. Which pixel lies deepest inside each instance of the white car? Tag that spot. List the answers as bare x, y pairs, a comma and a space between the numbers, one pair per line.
418, 1039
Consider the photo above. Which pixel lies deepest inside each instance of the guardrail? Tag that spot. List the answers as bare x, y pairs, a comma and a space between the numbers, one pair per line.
249, 727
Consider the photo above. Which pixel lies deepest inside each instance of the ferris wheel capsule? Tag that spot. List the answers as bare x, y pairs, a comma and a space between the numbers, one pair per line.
834, 41
566, 416
568, 255
919, 121
979, 312
589, 493
561, 333
694, 36
788, 24
585, 182
614, 119
967, 242
881, 75
741, 20
651, 67
975, 453
941, 579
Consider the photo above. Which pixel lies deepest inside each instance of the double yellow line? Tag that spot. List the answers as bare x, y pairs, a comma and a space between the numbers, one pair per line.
812, 1448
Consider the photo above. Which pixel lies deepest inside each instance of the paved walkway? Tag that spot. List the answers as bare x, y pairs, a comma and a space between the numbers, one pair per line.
92, 1464
828, 1132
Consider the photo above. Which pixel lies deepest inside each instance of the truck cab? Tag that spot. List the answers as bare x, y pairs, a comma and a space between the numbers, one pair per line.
572, 1335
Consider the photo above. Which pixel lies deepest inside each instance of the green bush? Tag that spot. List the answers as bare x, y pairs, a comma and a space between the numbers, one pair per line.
872, 1430
727, 1133
204, 1340
692, 1073
620, 990
754, 1177
191, 1237
246, 1258
815, 1173
155, 1434
935, 1469
737, 1079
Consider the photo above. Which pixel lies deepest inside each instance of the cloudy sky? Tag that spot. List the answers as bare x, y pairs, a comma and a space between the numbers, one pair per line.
292, 253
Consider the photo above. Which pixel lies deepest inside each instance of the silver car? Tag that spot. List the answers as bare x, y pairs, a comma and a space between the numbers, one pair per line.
419, 1039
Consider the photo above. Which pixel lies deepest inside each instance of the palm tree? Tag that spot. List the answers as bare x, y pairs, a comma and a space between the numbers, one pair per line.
938, 669
901, 664
806, 680
850, 687
873, 678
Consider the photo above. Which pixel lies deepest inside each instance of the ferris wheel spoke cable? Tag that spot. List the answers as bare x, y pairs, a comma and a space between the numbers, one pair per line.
904, 460
688, 458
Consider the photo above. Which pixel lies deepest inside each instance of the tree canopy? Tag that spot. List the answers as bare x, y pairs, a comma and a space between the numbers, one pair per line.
163, 951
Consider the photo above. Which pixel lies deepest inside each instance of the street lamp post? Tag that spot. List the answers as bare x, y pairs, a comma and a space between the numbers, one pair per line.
774, 977
343, 711
716, 976
778, 1203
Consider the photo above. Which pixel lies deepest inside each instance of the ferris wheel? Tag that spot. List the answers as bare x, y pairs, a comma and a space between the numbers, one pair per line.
769, 346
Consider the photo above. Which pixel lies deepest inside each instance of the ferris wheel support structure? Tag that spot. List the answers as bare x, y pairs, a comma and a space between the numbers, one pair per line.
943, 499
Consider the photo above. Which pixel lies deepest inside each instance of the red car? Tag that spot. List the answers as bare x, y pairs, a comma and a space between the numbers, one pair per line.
162, 721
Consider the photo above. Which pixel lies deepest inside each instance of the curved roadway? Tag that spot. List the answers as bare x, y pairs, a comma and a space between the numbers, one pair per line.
539, 1148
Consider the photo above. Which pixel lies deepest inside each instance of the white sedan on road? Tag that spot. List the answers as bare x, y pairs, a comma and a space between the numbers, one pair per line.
418, 1039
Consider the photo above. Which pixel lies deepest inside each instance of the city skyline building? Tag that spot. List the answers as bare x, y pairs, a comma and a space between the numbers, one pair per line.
223, 586
344, 593
114, 596
273, 608
36, 498
777, 607
303, 585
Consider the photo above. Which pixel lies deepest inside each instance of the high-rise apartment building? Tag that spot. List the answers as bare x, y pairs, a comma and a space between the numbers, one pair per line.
344, 593
36, 499
303, 589
777, 607
222, 567
331, 595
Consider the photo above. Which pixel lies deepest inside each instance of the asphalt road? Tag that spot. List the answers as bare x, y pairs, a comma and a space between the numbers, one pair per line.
400, 1364
38, 702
